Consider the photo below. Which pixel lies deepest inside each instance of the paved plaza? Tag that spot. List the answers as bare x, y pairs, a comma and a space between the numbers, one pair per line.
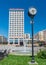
20, 50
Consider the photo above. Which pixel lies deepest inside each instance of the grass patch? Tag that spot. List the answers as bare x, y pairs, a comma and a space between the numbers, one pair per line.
20, 60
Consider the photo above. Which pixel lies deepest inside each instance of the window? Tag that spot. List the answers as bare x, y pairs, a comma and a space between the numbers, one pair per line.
11, 41
16, 41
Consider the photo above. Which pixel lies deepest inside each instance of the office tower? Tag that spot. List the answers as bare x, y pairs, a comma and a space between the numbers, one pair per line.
16, 26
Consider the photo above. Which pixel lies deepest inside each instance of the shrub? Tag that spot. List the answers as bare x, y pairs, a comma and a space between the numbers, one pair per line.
42, 54
40, 44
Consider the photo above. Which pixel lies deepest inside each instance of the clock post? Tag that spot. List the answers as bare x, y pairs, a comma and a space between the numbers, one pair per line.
31, 13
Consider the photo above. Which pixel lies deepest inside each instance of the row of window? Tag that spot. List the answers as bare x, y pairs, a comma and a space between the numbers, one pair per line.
16, 28
16, 15
12, 15
17, 20
14, 18
17, 25
21, 21
16, 34
16, 12
16, 31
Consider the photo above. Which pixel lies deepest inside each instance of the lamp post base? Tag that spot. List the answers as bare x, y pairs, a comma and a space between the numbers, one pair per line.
32, 63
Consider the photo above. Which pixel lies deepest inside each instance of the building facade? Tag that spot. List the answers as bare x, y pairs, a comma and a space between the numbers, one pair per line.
27, 36
41, 35
16, 26
3, 40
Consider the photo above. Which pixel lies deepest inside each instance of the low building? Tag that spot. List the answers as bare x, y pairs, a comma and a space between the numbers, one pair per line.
27, 36
3, 39
41, 35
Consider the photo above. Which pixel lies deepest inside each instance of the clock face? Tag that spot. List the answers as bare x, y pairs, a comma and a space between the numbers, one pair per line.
32, 11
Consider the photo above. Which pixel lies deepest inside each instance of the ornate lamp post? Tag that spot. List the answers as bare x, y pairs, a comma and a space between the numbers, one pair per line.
31, 13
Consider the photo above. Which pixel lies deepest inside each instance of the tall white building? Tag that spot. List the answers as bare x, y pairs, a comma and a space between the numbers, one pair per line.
16, 26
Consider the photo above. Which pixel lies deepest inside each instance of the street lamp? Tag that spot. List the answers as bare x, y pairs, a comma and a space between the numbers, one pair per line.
31, 13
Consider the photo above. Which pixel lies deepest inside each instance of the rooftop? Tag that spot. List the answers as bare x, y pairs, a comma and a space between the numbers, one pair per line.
16, 9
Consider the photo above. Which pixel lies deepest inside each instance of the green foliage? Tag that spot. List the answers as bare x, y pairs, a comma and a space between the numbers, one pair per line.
42, 54
44, 45
40, 44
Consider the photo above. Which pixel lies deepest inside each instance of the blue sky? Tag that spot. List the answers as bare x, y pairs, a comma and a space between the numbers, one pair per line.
39, 21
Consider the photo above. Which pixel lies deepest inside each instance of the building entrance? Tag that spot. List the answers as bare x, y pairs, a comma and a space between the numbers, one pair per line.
21, 42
